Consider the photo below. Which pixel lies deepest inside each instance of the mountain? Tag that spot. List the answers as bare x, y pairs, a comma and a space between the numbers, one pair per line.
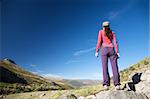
13, 78
77, 83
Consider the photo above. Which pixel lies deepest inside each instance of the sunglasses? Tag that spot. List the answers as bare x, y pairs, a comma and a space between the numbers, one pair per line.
106, 26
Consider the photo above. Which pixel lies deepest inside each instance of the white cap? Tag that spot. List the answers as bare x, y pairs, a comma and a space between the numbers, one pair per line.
106, 23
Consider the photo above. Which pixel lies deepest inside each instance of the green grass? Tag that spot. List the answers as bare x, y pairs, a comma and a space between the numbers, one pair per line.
2, 84
34, 82
30, 77
142, 65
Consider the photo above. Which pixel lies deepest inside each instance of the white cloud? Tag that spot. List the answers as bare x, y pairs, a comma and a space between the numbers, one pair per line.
34, 72
79, 52
52, 76
115, 14
39, 71
48, 75
33, 65
83, 51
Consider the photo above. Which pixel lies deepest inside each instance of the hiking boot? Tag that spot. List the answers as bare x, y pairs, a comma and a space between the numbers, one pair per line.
105, 87
117, 87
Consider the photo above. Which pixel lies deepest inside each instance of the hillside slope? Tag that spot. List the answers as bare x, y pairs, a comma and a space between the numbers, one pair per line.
13, 79
141, 66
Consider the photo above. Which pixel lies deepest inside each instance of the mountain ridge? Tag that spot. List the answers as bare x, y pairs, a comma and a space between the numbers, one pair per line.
13, 79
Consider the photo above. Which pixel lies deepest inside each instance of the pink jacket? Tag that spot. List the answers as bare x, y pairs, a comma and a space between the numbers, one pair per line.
106, 42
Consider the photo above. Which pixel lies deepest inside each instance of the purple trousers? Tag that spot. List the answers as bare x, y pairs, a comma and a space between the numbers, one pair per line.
109, 52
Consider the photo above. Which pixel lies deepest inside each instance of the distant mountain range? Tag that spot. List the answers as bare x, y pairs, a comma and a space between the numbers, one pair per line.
76, 83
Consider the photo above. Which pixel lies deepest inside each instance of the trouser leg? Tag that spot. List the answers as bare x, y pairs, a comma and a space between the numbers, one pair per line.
106, 77
114, 64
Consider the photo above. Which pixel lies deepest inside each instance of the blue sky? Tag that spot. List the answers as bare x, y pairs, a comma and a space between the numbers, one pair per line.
58, 37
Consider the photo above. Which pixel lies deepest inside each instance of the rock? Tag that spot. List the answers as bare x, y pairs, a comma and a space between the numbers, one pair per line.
72, 96
129, 86
81, 97
144, 85
146, 76
136, 78
91, 97
68, 96
140, 83
44, 94
147, 71
121, 94
7, 60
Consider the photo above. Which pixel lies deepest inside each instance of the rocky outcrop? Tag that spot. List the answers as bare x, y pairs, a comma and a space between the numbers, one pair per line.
121, 94
140, 83
69, 96
9, 61
144, 85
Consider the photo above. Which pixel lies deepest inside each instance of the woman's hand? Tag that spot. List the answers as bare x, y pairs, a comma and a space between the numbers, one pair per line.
118, 55
96, 54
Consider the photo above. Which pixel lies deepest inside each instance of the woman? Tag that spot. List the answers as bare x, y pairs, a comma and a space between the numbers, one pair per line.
107, 41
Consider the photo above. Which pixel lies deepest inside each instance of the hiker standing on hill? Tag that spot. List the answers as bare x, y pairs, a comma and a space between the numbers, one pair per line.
105, 38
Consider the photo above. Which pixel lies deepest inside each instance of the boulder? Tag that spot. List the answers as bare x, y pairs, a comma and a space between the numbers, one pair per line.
120, 94
68, 96
140, 83
146, 76
144, 85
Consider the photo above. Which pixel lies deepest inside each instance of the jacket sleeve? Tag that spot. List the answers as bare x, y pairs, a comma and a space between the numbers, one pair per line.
115, 43
99, 41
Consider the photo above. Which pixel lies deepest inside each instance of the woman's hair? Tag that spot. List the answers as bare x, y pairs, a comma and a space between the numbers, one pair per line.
108, 32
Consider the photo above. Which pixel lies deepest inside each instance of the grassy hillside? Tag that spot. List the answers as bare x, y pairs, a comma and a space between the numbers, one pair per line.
141, 66
14, 79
